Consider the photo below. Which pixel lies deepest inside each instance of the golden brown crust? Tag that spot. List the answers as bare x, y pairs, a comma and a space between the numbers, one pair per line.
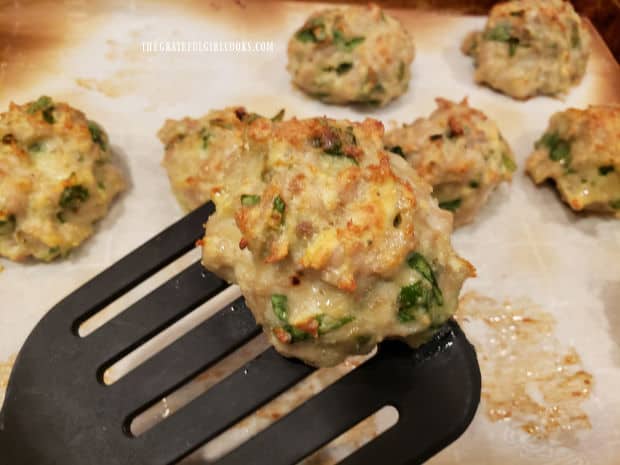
56, 179
580, 152
318, 216
530, 48
351, 55
460, 152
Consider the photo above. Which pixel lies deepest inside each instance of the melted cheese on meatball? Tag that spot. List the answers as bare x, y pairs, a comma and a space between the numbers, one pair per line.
530, 47
580, 152
56, 179
335, 243
460, 152
352, 55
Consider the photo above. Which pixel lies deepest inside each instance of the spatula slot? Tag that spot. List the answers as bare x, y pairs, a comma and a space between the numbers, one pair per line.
151, 315
347, 443
269, 413
166, 406
174, 332
134, 268
132, 296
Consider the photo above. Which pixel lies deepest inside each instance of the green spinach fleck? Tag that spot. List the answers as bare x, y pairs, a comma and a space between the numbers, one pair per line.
413, 297
346, 44
96, 134
279, 116
341, 69
503, 33
605, 170
451, 205
328, 323
249, 200
35, 147
279, 305
205, 136
313, 31
509, 163
279, 205
559, 149
72, 196
40, 104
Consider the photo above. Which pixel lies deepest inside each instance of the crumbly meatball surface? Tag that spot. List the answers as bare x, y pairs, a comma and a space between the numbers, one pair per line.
530, 47
580, 152
460, 152
199, 153
57, 178
335, 243
351, 55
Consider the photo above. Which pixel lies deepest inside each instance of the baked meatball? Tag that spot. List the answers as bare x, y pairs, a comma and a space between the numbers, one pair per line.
200, 152
353, 55
335, 243
460, 152
57, 178
530, 47
580, 152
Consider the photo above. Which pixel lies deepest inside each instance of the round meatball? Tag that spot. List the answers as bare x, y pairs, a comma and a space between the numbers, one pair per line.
460, 152
530, 47
335, 243
353, 55
57, 178
580, 152
199, 153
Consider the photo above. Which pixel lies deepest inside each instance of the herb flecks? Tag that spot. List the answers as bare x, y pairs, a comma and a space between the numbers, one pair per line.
412, 298
279, 305
421, 295
337, 142
451, 205
279, 116
503, 33
205, 137
72, 196
559, 149
40, 104
279, 205
341, 69
328, 323
345, 44
312, 32
97, 135
249, 200
509, 163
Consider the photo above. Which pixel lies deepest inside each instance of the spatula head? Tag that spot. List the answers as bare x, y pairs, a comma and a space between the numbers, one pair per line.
58, 410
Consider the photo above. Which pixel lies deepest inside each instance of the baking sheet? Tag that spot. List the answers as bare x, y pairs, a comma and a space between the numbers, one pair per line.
524, 244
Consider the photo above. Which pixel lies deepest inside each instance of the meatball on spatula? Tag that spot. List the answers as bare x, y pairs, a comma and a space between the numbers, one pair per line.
58, 410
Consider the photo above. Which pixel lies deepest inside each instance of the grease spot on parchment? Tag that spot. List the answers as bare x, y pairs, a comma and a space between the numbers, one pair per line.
120, 83
132, 69
528, 376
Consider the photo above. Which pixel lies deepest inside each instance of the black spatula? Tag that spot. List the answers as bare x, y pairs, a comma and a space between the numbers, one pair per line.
59, 411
